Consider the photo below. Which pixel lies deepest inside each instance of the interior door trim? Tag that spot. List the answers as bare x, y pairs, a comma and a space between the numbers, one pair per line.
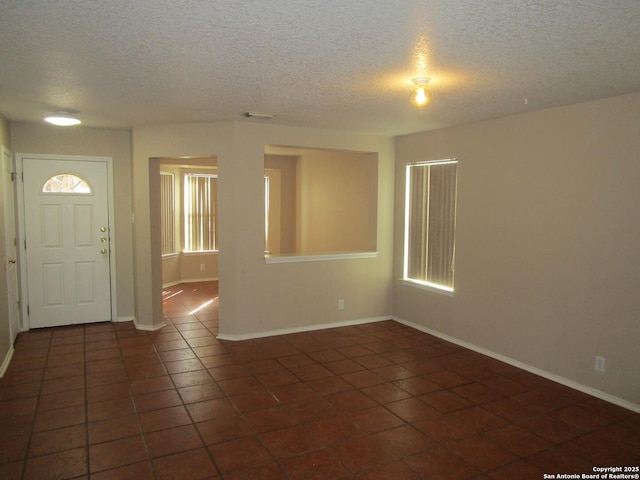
10, 257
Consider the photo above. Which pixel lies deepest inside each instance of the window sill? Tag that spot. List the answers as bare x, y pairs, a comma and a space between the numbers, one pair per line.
318, 258
200, 252
170, 255
427, 286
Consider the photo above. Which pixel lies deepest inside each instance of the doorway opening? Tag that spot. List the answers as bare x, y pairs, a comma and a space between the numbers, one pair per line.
189, 238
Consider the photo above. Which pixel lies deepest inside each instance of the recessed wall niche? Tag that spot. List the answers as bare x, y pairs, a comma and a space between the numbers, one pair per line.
319, 201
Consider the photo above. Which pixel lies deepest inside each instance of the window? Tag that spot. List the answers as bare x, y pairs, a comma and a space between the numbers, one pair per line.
200, 212
65, 183
430, 223
167, 213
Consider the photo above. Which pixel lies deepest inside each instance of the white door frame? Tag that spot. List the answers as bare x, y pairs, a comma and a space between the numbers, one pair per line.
22, 253
10, 255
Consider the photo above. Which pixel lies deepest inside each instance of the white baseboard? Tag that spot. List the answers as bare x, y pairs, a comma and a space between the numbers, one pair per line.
6, 361
130, 318
306, 328
193, 280
148, 328
536, 371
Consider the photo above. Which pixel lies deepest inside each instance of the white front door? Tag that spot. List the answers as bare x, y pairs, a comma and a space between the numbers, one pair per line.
67, 241
11, 254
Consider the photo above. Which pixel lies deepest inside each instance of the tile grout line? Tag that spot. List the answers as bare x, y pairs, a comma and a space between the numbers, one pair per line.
37, 407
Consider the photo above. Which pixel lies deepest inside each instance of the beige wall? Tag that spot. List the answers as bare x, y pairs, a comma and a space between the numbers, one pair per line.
150, 144
293, 295
186, 268
256, 297
171, 270
547, 241
282, 203
5, 336
45, 139
4, 132
336, 202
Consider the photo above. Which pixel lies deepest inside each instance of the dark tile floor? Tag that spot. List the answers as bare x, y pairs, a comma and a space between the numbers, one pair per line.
376, 401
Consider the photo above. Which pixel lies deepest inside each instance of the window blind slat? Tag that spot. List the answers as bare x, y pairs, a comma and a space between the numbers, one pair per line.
200, 212
431, 222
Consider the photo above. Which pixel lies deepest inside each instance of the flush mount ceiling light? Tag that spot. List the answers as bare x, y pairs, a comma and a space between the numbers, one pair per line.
421, 96
263, 116
62, 119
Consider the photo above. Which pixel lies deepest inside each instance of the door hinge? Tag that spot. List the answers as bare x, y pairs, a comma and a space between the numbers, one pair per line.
28, 310
14, 176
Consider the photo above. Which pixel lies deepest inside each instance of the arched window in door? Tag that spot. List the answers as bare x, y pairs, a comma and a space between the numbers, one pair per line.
66, 183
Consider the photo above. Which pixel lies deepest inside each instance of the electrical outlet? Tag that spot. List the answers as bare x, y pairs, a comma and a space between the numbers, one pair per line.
340, 304
202, 267
600, 363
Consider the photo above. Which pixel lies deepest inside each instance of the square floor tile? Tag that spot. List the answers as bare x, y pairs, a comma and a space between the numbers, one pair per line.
286, 442
315, 465
65, 464
185, 466
482, 453
375, 419
269, 419
173, 440
113, 429
439, 463
360, 454
404, 441
333, 429
60, 417
108, 455
51, 441
224, 429
136, 471
13, 447
157, 400
518, 440
210, 409
239, 455
163, 419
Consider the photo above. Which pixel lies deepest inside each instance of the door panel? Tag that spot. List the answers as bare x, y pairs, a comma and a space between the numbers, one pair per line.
68, 272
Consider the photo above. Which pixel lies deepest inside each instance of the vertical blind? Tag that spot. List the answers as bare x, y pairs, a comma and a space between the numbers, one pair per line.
167, 213
200, 233
431, 222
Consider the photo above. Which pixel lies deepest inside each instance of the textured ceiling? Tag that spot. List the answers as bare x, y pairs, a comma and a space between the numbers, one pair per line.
335, 64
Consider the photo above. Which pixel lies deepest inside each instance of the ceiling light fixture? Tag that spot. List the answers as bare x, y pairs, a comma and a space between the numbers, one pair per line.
263, 116
421, 96
62, 119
